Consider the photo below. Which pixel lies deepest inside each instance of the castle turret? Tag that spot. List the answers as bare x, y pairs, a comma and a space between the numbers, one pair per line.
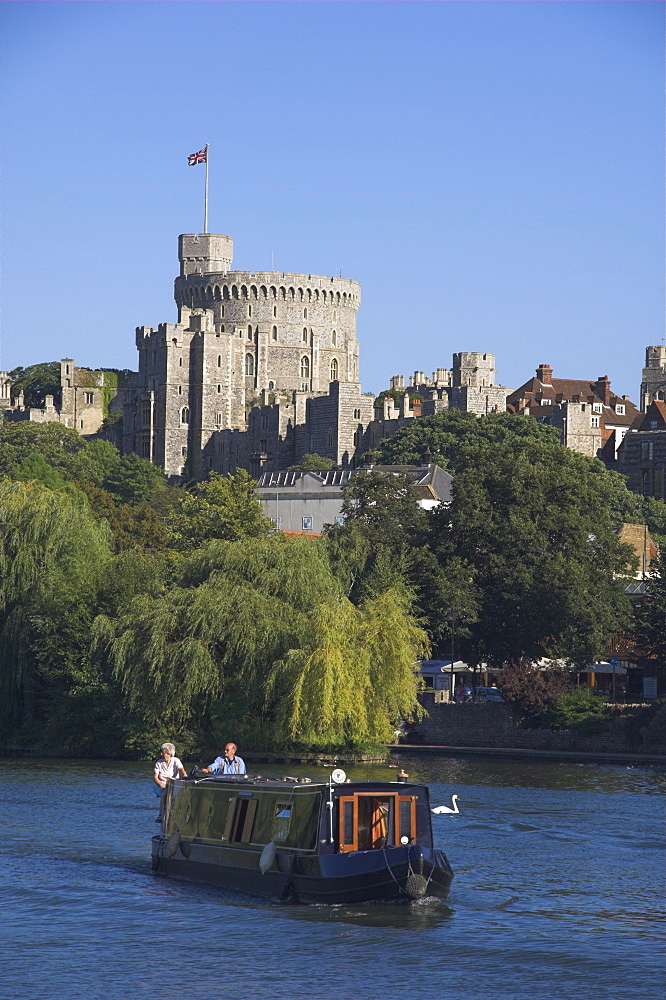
653, 385
207, 253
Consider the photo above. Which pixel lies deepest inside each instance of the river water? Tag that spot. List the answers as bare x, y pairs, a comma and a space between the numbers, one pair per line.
558, 894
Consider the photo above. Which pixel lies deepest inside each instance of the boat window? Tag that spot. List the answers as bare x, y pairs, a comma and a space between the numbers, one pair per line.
281, 821
348, 820
407, 820
242, 819
376, 821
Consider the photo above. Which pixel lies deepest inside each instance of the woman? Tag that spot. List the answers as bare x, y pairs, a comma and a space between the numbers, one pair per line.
168, 766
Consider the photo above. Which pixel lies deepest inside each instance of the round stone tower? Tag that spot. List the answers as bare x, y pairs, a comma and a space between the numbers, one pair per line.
298, 331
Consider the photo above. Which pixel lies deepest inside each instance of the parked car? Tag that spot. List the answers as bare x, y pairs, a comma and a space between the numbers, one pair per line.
484, 695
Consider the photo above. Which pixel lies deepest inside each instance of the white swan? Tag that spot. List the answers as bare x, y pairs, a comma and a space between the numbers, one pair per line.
445, 809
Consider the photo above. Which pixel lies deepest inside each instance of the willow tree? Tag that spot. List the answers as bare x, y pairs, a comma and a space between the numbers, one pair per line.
237, 607
354, 674
268, 614
52, 555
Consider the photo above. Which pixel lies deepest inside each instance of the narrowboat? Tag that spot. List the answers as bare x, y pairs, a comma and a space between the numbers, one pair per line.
298, 840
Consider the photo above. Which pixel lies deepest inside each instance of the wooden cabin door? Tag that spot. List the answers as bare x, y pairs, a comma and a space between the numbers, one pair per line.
370, 821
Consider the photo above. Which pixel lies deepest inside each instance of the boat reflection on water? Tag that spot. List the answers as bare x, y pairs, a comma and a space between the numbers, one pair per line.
335, 842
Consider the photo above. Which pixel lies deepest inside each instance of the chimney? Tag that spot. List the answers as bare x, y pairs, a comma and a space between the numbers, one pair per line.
544, 373
602, 389
426, 457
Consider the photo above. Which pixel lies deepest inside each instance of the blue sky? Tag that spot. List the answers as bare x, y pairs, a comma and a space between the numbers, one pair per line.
490, 172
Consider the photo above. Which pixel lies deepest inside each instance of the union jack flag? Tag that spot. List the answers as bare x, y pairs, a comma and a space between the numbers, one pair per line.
199, 157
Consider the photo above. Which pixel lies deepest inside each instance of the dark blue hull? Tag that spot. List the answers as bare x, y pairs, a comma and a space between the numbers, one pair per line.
393, 874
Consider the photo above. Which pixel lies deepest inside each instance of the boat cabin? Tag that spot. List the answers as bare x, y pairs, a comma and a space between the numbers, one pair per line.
298, 815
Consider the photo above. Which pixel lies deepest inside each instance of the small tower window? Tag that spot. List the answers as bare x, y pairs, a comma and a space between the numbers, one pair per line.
305, 313
334, 338
305, 366
249, 332
274, 333
219, 361
334, 370
305, 334
185, 415
249, 364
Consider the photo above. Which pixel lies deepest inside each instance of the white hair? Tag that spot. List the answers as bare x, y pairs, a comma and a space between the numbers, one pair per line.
170, 748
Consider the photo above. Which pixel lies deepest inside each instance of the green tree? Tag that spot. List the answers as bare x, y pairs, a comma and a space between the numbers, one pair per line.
352, 676
35, 468
133, 478
56, 444
313, 463
649, 624
36, 382
223, 507
579, 709
535, 526
445, 434
52, 553
268, 613
133, 525
386, 505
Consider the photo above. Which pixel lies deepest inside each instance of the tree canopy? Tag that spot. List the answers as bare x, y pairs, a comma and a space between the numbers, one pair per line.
37, 382
445, 434
313, 463
535, 528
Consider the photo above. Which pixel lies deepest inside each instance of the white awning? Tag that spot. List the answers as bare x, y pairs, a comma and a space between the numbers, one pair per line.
604, 668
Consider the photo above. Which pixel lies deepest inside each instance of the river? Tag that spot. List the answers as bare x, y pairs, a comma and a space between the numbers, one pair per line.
558, 894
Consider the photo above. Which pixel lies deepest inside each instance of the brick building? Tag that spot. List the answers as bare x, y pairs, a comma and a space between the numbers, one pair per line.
591, 418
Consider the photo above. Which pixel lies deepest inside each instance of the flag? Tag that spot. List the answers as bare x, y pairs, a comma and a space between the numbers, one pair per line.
199, 157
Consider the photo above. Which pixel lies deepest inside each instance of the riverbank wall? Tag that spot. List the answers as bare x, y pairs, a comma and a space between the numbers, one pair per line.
492, 726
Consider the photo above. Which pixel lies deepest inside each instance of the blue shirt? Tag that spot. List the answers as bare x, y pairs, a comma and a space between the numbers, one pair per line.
223, 766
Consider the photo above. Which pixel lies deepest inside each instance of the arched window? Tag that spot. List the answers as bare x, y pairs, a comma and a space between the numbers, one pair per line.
305, 334
249, 364
249, 331
334, 338
185, 415
271, 385
305, 366
274, 333
334, 370
305, 313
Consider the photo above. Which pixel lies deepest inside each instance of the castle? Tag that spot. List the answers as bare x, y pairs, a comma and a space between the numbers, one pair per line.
262, 369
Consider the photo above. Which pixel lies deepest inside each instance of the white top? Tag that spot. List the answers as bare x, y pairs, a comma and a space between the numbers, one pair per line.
170, 770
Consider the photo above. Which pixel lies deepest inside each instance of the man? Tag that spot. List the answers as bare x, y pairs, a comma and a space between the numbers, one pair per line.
228, 764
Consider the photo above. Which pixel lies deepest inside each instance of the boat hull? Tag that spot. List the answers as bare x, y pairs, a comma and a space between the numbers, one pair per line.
394, 874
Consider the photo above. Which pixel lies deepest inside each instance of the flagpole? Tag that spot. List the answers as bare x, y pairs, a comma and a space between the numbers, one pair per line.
206, 195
